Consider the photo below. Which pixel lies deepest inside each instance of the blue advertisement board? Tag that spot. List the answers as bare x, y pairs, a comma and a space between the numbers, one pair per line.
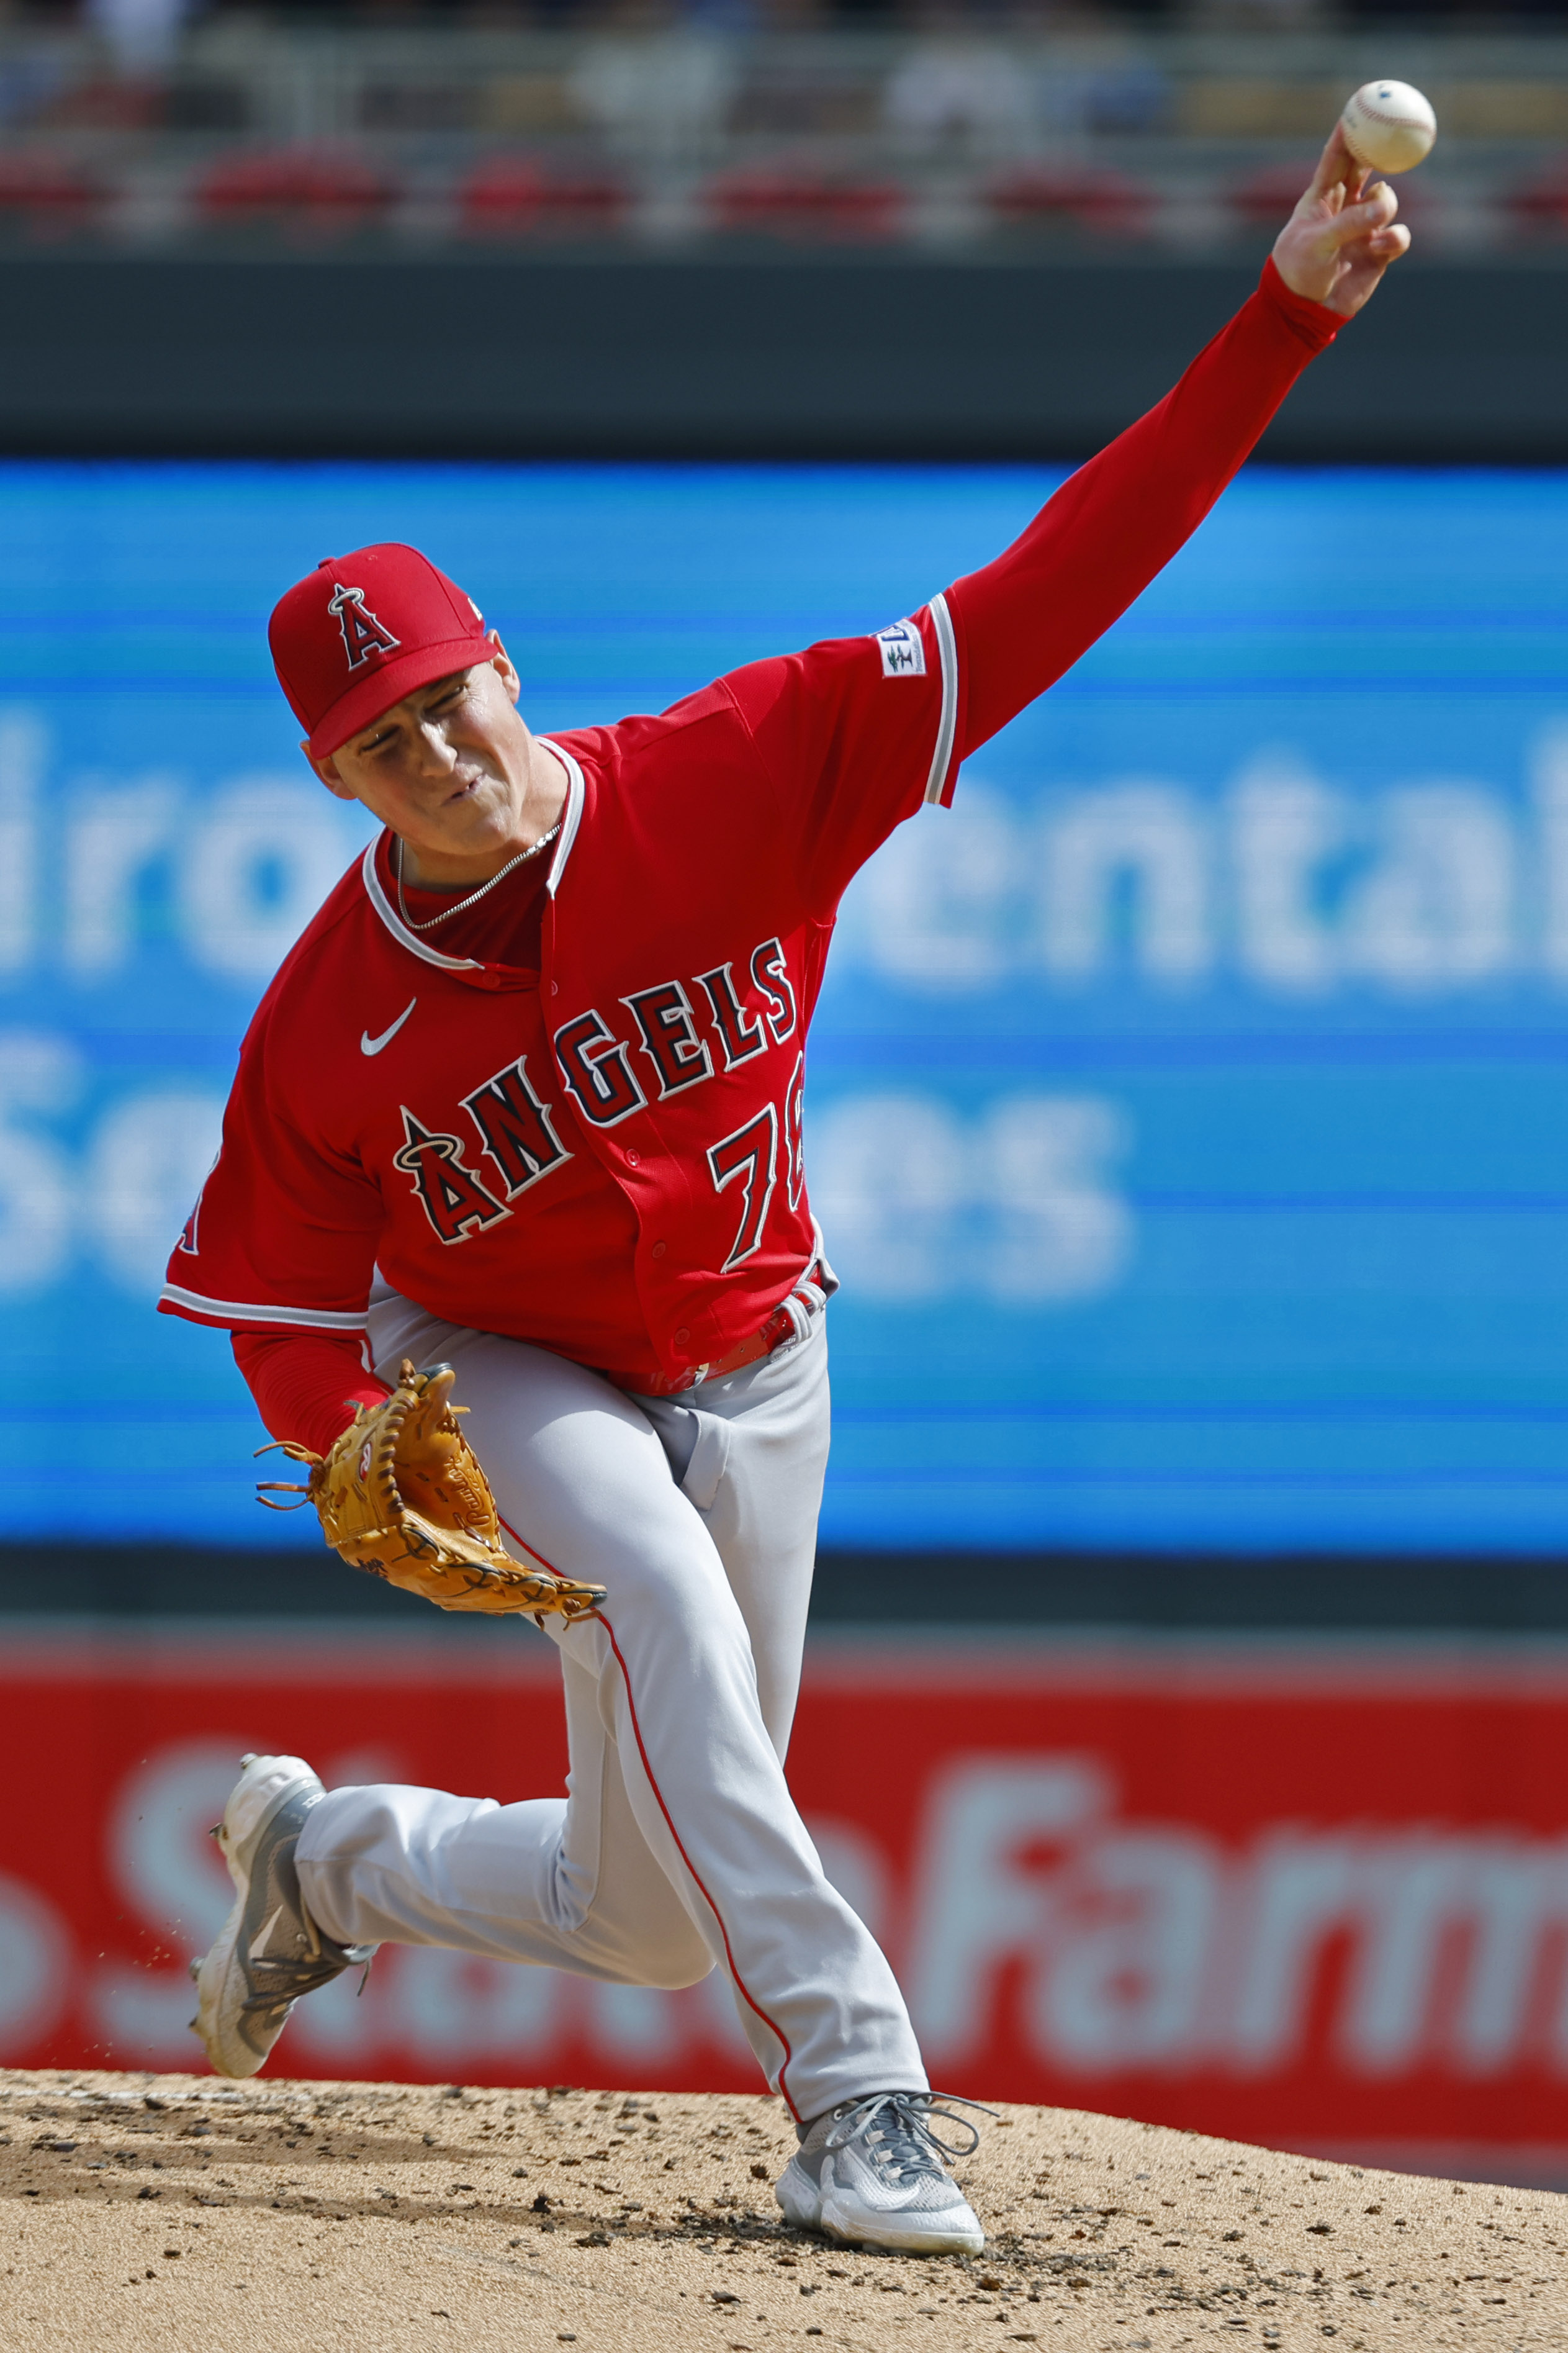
1187, 1113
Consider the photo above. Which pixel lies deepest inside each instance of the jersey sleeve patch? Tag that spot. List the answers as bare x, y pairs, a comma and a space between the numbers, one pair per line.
903, 651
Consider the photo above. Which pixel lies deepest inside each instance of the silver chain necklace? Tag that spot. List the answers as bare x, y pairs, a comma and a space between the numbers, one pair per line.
474, 896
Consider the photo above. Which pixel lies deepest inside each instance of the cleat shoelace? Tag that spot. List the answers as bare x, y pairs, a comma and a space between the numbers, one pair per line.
895, 2130
283, 1978
292, 1980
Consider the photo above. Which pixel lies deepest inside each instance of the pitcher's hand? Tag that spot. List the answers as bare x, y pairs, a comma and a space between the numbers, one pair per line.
1341, 237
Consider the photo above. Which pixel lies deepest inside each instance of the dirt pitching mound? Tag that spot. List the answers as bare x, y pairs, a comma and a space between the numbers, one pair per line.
179, 2215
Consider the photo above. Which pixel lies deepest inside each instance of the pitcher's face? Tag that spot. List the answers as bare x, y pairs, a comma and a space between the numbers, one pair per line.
447, 768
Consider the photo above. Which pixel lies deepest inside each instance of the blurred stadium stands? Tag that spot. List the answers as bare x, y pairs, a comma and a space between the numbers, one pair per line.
738, 232
970, 134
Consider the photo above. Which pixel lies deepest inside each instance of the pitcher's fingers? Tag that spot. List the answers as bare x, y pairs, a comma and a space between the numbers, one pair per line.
1336, 165
1375, 212
1348, 246
1382, 242
1361, 268
1388, 244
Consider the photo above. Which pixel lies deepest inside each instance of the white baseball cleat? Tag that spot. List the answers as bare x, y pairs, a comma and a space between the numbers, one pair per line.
870, 2172
269, 1950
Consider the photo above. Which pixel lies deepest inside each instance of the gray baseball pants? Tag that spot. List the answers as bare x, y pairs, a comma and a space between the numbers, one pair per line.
677, 1847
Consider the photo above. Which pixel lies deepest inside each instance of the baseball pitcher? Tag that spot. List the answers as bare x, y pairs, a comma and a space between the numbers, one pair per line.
511, 1230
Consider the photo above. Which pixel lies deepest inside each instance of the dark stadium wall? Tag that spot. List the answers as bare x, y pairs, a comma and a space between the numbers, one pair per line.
80, 1588
850, 356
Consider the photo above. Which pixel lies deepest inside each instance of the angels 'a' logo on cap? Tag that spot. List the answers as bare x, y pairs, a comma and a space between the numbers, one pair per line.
363, 635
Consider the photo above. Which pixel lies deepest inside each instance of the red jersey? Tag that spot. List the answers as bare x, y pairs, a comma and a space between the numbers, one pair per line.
603, 1155
453, 1120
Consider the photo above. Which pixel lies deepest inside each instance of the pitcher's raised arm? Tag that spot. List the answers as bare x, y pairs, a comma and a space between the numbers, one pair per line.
1097, 545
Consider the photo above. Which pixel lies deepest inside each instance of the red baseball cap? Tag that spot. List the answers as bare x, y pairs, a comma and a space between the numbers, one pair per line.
363, 630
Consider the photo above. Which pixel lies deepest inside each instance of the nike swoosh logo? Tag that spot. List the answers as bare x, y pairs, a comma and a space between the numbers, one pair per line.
258, 1943
369, 1045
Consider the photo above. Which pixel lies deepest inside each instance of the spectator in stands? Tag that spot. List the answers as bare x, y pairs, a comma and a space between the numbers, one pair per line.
141, 36
957, 86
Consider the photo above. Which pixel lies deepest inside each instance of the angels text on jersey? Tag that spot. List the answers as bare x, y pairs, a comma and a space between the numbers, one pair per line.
465, 1180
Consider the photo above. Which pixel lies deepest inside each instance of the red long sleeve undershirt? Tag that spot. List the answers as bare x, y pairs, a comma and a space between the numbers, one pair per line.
1021, 622
306, 1384
1094, 547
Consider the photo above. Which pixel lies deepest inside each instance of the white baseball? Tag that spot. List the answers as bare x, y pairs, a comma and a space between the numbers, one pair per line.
1389, 126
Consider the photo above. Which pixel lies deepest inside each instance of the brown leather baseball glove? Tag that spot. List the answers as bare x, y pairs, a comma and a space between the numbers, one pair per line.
402, 1495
